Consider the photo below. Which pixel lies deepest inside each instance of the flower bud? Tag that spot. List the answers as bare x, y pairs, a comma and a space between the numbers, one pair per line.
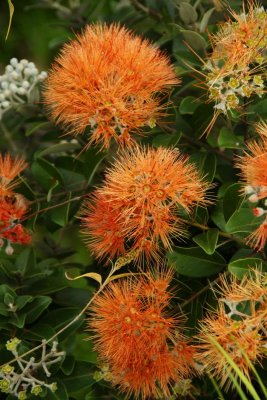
14, 61
253, 198
9, 249
258, 211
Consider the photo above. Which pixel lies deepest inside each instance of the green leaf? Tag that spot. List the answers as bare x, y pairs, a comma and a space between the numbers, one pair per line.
51, 284
207, 240
68, 364
39, 332
83, 349
41, 175
58, 148
260, 108
205, 20
194, 262
35, 126
229, 140
26, 261
187, 13
60, 317
188, 105
242, 266
232, 200
60, 394
243, 220
206, 163
4, 310
166, 140
8, 299
79, 379
18, 320
60, 215
37, 307
194, 39
50, 169
21, 301
11, 12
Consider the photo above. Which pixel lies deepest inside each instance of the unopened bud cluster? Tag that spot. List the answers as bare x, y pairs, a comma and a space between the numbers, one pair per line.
21, 379
18, 82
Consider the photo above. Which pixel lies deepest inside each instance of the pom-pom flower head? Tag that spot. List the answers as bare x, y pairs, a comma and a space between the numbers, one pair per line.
135, 336
13, 206
240, 339
253, 167
238, 326
103, 219
9, 170
138, 204
108, 80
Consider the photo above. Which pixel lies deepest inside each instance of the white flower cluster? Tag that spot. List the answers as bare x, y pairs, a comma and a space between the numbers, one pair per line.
17, 83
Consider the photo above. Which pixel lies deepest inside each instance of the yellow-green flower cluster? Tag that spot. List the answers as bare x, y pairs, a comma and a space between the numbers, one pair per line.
236, 70
21, 378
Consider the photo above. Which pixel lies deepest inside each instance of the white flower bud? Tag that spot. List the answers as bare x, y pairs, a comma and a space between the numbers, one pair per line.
2, 97
24, 62
27, 71
25, 84
31, 65
9, 249
7, 92
21, 91
14, 61
13, 87
4, 85
9, 68
19, 67
14, 75
5, 104
43, 75
253, 198
34, 71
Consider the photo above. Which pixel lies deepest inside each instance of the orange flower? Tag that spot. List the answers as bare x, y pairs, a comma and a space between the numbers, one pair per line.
9, 169
133, 334
235, 292
108, 80
240, 339
12, 209
258, 238
253, 165
101, 228
143, 192
156, 285
184, 355
242, 41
